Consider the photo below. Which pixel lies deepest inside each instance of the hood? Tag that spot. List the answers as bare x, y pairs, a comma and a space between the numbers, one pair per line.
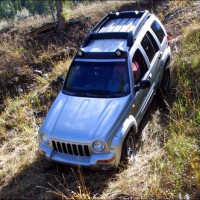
82, 119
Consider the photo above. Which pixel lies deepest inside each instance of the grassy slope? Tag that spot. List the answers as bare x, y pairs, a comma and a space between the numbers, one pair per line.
169, 170
172, 169
178, 170
22, 166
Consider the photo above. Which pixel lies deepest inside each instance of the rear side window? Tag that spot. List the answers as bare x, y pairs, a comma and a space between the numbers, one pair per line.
149, 45
158, 31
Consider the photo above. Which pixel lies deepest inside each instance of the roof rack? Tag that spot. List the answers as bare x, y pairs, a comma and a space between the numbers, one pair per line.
130, 36
139, 25
106, 35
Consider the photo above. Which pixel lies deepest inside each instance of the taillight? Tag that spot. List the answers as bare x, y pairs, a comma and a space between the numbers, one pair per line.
168, 40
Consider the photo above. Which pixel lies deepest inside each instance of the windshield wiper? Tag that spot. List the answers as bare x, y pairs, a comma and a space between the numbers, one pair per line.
93, 93
78, 92
108, 94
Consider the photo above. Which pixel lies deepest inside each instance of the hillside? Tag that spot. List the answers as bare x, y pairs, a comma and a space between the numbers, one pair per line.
167, 161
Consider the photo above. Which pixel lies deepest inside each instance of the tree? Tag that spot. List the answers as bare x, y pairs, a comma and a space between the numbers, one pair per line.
61, 20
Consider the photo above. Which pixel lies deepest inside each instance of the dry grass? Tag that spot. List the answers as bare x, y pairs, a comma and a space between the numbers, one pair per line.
179, 168
3, 24
136, 180
32, 22
20, 122
26, 24
22, 167
94, 10
21, 116
61, 190
20, 52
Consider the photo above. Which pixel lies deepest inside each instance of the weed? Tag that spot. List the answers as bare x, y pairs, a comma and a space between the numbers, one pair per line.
179, 170
22, 113
175, 166
62, 189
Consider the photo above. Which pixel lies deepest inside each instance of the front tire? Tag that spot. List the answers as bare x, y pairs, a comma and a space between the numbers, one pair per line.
128, 148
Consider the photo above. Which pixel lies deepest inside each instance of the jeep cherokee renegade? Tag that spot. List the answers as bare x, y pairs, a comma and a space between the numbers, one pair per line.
108, 87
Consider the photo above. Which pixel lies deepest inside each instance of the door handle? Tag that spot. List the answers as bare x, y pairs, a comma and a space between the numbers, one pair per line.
160, 55
149, 77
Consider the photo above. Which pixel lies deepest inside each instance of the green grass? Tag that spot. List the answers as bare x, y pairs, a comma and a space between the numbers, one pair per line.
179, 169
175, 167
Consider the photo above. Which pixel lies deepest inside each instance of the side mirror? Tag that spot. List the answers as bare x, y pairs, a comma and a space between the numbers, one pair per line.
137, 88
60, 79
145, 84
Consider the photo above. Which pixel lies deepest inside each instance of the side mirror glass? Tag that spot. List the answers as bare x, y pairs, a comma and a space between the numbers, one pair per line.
60, 79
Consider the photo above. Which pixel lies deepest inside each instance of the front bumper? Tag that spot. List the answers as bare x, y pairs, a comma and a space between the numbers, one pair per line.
101, 161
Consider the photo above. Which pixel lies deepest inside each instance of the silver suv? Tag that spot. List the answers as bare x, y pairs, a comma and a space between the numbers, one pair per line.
108, 87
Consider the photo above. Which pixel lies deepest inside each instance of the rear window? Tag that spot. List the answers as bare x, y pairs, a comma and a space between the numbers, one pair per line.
158, 31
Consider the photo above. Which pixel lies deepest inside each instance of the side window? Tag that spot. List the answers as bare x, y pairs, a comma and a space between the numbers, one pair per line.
149, 45
158, 31
139, 66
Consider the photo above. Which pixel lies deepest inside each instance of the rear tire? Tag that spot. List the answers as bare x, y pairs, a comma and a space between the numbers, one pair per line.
128, 148
165, 85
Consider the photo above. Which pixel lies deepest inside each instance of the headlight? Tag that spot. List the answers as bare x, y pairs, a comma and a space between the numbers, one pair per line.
98, 146
45, 138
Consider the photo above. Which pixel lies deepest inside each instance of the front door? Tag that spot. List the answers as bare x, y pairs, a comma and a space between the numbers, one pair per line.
140, 70
148, 60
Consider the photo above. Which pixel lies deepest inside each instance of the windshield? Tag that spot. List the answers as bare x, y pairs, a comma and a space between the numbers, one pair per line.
97, 79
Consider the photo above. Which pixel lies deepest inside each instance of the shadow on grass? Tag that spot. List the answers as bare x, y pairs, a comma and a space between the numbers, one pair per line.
42, 173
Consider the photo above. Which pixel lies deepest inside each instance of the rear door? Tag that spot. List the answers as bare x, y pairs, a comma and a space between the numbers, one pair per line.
153, 53
160, 35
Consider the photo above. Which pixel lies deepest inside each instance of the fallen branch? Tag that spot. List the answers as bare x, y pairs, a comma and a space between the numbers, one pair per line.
46, 65
51, 26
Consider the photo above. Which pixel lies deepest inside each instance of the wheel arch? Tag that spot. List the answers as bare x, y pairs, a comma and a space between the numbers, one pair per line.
130, 124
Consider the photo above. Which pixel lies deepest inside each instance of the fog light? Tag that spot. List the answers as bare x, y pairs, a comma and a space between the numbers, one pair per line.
80, 52
118, 52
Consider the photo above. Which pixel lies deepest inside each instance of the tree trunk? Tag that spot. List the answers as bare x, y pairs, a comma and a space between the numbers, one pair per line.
61, 20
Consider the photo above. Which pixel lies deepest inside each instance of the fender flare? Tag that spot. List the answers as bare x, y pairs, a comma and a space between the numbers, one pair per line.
117, 142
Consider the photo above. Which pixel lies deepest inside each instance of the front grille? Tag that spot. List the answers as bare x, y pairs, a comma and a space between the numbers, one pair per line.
71, 149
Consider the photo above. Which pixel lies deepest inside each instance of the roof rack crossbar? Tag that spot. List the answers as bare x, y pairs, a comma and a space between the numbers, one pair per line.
106, 35
102, 55
127, 14
101, 23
